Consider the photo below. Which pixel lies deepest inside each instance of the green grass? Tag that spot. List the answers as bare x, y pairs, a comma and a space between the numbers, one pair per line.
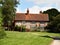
27, 38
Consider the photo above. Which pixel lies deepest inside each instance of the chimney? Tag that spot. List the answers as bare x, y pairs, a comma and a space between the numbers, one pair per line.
27, 10
40, 12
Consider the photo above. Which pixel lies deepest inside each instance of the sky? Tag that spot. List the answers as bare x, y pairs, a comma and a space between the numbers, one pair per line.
37, 5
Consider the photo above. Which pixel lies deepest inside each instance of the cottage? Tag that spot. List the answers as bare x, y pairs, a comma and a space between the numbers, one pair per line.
31, 20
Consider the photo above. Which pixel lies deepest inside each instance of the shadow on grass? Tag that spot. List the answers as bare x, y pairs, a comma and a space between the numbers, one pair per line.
53, 32
2, 37
53, 37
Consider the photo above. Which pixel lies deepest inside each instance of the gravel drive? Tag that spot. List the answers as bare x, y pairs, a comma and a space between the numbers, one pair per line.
56, 42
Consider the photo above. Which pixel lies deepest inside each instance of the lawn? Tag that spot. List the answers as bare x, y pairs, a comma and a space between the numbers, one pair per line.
27, 38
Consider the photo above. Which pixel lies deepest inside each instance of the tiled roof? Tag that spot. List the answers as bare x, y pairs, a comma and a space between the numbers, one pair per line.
31, 17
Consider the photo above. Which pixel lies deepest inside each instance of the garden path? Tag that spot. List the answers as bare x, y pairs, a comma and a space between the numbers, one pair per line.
55, 42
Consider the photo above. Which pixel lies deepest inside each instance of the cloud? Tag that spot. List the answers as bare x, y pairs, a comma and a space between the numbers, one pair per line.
48, 3
17, 10
34, 9
44, 1
37, 9
45, 4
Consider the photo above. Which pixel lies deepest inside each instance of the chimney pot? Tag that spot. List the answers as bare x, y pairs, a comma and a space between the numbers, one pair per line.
41, 12
27, 10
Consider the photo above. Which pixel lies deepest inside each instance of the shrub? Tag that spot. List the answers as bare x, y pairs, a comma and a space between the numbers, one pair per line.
28, 30
20, 28
54, 26
35, 29
23, 28
2, 33
38, 30
17, 28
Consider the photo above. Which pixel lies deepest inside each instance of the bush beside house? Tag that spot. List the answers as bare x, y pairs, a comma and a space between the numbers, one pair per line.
20, 28
2, 33
54, 26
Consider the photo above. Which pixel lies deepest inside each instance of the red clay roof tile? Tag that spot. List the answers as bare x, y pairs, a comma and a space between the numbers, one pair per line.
31, 17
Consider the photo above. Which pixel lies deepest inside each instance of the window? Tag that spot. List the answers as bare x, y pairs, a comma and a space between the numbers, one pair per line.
33, 26
33, 22
23, 22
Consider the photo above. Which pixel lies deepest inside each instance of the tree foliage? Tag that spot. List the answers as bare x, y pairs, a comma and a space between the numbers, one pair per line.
8, 11
54, 26
52, 13
2, 32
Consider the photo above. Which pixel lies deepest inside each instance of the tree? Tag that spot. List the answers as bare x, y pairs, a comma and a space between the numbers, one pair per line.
2, 32
8, 11
52, 13
54, 26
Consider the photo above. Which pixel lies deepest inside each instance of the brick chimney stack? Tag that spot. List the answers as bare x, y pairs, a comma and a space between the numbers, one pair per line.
27, 10
40, 12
